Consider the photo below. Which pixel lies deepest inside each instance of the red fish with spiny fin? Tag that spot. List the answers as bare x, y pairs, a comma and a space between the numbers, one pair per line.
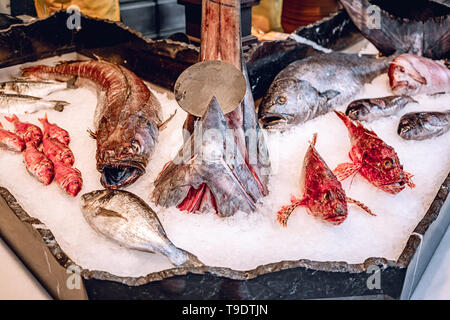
68, 178
323, 195
57, 151
371, 157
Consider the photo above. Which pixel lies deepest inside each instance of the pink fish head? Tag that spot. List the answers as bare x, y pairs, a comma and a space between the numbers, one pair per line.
403, 77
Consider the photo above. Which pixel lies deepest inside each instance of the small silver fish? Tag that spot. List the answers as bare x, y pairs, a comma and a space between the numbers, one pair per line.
34, 88
375, 108
21, 104
423, 125
125, 218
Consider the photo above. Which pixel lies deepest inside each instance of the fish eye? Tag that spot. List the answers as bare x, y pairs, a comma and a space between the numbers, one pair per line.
387, 163
281, 100
327, 196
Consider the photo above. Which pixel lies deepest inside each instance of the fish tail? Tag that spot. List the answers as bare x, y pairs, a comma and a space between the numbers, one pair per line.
284, 213
192, 261
12, 119
59, 105
348, 123
43, 120
314, 140
361, 205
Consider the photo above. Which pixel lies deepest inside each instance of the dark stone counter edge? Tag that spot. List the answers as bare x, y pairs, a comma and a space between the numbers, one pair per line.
328, 266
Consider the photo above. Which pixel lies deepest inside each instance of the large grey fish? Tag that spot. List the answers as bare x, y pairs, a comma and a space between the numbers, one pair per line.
126, 219
423, 125
35, 88
21, 104
316, 85
375, 108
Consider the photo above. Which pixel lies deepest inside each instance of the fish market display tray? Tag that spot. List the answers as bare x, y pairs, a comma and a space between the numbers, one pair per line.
160, 62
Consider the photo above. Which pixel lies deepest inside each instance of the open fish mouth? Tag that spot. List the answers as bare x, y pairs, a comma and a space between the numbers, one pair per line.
273, 121
394, 187
120, 174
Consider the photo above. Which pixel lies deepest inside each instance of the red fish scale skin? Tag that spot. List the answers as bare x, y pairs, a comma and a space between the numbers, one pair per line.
370, 155
68, 178
10, 141
323, 197
38, 164
57, 151
28, 132
51, 130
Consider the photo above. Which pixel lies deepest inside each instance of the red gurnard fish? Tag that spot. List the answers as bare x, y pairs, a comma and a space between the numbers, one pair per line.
53, 131
323, 195
38, 164
57, 151
376, 161
10, 141
68, 178
27, 131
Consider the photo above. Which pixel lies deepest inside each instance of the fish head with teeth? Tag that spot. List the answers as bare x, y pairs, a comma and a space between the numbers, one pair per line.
123, 154
289, 101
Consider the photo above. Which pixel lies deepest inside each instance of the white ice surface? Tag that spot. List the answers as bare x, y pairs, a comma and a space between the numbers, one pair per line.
243, 241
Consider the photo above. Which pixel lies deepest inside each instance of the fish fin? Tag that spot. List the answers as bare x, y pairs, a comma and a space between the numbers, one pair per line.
329, 94
284, 213
43, 120
361, 205
1, 126
71, 83
409, 181
92, 134
97, 57
163, 125
314, 140
109, 213
345, 170
348, 123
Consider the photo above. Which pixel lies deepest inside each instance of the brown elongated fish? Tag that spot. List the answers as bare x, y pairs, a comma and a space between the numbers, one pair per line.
127, 117
125, 218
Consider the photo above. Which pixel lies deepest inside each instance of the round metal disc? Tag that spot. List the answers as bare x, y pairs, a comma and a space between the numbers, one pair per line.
196, 86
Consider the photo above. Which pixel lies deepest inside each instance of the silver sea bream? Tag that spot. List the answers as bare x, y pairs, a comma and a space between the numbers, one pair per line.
126, 219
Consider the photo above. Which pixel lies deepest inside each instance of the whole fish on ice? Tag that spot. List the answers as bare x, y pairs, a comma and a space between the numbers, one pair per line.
21, 104
411, 75
127, 117
10, 141
375, 108
371, 157
316, 85
55, 132
423, 125
125, 218
322, 193
29, 132
34, 88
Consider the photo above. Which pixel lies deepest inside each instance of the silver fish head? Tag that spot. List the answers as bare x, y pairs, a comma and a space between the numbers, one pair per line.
94, 199
289, 102
358, 110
